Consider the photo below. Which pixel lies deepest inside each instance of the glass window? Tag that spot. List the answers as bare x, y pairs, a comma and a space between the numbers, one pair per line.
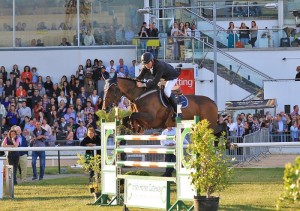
6, 20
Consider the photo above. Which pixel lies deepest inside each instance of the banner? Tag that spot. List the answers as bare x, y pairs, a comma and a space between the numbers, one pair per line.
187, 81
250, 104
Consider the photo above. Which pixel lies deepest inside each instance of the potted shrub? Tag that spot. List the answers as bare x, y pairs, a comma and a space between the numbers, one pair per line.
210, 170
291, 186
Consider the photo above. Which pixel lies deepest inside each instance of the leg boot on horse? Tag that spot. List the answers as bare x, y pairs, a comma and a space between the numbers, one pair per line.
173, 99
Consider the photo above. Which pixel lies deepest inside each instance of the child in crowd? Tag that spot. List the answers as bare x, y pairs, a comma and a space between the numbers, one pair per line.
35, 75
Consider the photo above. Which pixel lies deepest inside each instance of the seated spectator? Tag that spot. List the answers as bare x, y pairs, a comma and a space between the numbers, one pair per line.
69, 114
62, 129
98, 36
98, 104
61, 109
39, 110
81, 131
12, 116
48, 85
70, 136
21, 92
39, 43
90, 122
89, 39
41, 26
64, 42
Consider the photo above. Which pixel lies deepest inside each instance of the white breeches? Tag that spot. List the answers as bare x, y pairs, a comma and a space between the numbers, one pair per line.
169, 86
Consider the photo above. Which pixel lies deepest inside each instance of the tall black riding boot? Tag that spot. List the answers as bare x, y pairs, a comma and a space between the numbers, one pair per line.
173, 101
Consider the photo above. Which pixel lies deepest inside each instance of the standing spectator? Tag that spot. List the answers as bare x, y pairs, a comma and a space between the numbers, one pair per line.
39, 111
111, 66
1, 87
35, 98
153, 34
35, 75
294, 131
143, 35
13, 157
23, 154
39, 137
3, 73
256, 125
279, 127
131, 70
16, 70
295, 111
232, 37
253, 33
129, 35
89, 87
121, 64
91, 140
244, 33
80, 74
46, 126
26, 74
170, 131
174, 33
231, 126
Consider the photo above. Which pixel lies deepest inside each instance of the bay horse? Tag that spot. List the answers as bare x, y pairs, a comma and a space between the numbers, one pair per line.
151, 112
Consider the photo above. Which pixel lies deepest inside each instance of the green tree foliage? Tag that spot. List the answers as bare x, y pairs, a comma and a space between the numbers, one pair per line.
291, 185
209, 166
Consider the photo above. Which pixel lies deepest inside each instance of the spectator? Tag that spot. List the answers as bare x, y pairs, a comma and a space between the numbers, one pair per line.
2, 110
23, 112
35, 98
15, 70
98, 36
26, 74
94, 97
81, 130
91, 140
13, 157
70, 136
64, 42
143, 35
294, 131
39, 43
35, 75
39, 111
231, 126
12, 116
29, 125
99, 104
232, 37
125, 68
244, 33
23, 154
48, 85
39, 137
170, 131
8, 90
80, 75
253, 33
256, 125
69, 114
20, 92
89, 87
89, 39
120, 35
62, 129
55, 91
174, 33
111, 66
131, 71
153, 34
104, 75
295, 111
279, 127
46, 126
3, 74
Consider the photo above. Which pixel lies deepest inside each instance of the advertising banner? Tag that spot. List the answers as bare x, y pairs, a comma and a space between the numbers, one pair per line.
187, 81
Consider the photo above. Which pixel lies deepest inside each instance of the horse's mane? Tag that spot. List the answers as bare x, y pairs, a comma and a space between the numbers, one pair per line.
129, 79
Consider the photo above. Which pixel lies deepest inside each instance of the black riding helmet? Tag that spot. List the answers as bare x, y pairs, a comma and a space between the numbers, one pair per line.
146, 58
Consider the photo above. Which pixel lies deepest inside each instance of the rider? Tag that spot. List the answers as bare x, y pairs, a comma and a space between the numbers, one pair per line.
159, 70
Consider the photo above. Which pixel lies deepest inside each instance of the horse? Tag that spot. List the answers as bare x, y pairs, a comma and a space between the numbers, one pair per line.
151, 112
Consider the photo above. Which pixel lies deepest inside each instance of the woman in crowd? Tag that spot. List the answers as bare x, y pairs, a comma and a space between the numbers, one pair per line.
65, 88
26, 74
94, 97
13, 157
3, 74
143, 35
253, 33
244, 33
98, 104
39, 111
80, 74
72, 81
62, 97
180, 39
232, 37
88, 71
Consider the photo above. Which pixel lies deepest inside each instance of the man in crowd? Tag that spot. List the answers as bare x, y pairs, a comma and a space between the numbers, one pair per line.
39, 137
23, 154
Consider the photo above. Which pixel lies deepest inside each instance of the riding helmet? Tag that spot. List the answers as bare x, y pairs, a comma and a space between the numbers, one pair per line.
146, 58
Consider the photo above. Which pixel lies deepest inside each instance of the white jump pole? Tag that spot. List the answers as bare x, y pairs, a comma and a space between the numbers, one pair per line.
1, 179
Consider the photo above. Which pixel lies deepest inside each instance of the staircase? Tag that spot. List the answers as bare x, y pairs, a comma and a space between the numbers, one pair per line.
235, 71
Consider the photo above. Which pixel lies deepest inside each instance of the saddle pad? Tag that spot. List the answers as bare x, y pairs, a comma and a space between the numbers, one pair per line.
183, 101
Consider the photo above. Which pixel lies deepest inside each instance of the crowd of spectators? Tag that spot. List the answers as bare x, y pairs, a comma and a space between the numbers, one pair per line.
282, 127
65, 109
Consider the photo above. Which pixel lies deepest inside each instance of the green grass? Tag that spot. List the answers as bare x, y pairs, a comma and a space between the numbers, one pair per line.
251, 189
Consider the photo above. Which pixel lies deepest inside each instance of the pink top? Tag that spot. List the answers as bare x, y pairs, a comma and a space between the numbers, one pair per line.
4, 143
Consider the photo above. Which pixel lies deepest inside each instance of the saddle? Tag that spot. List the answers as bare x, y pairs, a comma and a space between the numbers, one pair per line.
182, 99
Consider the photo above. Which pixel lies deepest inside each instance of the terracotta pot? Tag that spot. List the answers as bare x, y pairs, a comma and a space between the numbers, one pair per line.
206, 204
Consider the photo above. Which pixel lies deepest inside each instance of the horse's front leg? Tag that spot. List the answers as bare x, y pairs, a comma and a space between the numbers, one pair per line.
143, 119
